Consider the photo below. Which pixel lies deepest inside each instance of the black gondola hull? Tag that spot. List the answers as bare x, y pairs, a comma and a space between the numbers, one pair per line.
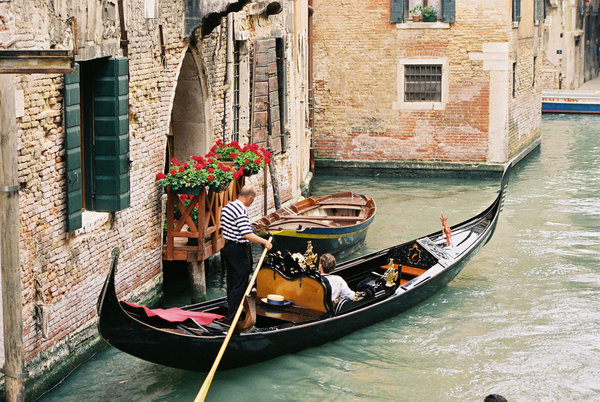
197, 353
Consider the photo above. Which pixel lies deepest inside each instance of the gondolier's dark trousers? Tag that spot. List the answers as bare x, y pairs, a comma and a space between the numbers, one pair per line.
238, 259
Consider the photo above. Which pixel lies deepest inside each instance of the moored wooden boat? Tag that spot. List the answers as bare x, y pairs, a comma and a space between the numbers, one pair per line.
335, 224
424, 266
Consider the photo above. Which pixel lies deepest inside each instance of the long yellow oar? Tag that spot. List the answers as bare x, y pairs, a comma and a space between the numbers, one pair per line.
204, 390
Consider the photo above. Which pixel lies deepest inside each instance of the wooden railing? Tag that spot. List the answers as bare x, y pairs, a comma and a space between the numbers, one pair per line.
207, 231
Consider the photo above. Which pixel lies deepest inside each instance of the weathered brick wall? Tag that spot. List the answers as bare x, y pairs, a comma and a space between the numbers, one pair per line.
65, 271
524, 121
357, 57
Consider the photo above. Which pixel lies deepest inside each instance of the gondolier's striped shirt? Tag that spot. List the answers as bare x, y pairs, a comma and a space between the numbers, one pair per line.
235, 222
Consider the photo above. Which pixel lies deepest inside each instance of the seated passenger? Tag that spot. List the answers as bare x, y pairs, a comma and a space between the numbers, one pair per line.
339, 287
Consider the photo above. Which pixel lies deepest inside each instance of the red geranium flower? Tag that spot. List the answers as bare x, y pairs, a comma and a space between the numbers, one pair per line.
210, 177
173, 160
210, 160
173, 172
267, 160
247, 161
185, 165
210, 170
181, 169
233, 155
160, 176
257, 161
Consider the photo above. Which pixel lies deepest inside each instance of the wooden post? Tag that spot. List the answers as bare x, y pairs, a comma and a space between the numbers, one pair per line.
196, 271
9, 243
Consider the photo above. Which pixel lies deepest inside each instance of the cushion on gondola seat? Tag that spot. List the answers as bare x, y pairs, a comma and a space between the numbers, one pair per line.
174, 314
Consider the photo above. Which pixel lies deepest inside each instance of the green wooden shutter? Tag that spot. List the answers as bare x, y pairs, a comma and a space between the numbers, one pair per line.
448, 11
72, 120
516, 15
397, 12
537, 10
111, 135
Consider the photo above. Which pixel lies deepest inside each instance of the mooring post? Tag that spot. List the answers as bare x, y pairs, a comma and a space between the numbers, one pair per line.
197, 280
9, 243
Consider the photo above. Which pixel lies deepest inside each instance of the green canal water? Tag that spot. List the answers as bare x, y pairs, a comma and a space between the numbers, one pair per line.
522, 319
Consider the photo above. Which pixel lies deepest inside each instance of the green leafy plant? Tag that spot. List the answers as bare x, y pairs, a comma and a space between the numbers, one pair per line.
429, 13
225, 152
416, 10
251, 159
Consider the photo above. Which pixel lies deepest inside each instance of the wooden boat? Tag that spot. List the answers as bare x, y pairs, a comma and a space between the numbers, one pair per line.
425, 265
335, 224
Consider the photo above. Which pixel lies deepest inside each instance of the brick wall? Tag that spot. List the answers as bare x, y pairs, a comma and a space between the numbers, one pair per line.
65, 271
359, 111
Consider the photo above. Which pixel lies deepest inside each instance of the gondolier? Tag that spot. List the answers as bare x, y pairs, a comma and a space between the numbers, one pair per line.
236, 252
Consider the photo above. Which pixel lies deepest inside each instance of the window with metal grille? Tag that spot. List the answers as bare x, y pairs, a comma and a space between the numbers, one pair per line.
236, 92
423, 82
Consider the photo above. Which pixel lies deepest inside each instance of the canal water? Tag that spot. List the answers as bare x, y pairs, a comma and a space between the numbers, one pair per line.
522, 319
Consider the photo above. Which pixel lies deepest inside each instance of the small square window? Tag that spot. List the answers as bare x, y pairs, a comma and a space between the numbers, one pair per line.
423, 82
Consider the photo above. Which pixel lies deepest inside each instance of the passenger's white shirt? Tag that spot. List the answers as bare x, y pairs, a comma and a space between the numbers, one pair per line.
339, 287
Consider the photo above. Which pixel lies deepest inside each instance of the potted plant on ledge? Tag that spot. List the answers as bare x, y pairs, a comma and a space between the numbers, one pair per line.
416, 13
429, 14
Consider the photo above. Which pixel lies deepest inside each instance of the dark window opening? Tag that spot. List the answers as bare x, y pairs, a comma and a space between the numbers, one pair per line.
514, 80
282, 89
423, 83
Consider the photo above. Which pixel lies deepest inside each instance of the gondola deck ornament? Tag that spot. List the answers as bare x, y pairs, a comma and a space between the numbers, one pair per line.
447, 231
391, 275
426, 267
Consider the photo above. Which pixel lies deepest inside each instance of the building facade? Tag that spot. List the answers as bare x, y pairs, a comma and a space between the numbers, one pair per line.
571, 43
459, 92
156, 80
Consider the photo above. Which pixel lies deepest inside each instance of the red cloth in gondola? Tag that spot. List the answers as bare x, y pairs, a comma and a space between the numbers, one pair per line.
176, 314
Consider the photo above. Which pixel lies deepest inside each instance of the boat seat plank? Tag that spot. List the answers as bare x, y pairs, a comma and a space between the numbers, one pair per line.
290, 314
323, 218
414, 271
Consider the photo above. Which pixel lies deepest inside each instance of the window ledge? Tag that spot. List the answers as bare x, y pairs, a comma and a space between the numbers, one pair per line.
423, 25
91, 221
515, 24
425, 105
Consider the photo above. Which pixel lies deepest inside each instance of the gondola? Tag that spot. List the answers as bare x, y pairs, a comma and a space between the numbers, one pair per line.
335, 224
390, 281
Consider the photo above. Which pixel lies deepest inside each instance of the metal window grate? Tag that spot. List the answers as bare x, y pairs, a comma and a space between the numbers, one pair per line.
423, 83
236, 92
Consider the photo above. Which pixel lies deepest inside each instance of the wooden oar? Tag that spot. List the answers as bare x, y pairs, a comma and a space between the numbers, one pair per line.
204, 390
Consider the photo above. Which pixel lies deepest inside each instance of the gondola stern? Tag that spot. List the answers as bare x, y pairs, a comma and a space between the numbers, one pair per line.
108, 305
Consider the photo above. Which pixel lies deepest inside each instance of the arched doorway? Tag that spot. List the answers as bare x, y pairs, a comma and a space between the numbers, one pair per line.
190, 122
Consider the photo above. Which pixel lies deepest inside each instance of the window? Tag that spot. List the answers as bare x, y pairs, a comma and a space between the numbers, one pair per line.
97, 138
514, 80
423, 83
400, 9
516, 10
534, 71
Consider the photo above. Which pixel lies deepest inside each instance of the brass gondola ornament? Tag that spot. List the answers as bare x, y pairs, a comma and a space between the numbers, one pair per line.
310, 257
391, 275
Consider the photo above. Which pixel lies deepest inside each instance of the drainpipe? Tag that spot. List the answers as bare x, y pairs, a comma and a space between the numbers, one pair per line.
227, 89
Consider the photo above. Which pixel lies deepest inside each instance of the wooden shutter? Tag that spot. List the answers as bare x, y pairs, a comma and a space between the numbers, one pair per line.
111, 135
537, 10
448, 11
72, 121
397, 11
516, 10
265, 106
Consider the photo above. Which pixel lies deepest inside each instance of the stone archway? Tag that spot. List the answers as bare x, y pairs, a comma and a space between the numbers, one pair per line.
190, 118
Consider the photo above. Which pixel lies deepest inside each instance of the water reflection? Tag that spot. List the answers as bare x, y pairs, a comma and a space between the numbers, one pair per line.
522, 319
